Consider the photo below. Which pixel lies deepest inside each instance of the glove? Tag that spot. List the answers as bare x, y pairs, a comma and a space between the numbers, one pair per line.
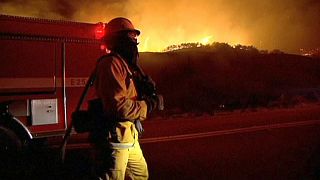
147, 87
150, 82
139, 127
154, 102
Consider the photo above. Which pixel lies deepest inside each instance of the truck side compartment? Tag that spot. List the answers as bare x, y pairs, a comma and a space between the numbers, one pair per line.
44, 67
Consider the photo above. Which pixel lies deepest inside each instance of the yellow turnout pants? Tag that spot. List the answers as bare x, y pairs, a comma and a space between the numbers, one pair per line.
129, 163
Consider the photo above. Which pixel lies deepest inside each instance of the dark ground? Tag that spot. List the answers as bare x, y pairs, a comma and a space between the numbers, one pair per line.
287, 146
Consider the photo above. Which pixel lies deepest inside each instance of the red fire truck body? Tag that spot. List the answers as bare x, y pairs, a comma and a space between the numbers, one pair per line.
44, 68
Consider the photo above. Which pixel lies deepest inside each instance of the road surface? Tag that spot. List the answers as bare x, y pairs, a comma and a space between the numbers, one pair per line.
266, 144
263, 144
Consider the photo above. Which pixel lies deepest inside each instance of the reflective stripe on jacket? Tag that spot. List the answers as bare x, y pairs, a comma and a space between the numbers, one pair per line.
114, 85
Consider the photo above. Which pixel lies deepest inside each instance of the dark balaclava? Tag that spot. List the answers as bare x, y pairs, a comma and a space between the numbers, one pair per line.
125, 46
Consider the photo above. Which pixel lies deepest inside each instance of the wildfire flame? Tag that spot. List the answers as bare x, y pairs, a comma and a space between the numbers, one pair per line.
278, 24
206, 40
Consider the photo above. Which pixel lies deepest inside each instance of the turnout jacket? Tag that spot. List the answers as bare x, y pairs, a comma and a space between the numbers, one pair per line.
115, 86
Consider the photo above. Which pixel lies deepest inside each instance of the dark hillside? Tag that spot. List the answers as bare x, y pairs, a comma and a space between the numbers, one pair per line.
203, 80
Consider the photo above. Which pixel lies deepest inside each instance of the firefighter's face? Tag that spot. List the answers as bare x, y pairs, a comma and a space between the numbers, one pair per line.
133, 36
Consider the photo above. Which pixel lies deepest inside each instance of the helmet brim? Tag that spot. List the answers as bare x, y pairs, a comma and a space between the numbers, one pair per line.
124, 30
134, 30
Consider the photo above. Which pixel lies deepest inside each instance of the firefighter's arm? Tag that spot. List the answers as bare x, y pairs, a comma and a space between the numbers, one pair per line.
117, 93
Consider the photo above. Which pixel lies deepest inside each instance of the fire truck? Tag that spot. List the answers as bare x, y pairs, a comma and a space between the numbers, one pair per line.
44, 67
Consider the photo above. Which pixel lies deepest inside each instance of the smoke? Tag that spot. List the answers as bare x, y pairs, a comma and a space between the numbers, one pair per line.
267, 24
36, 8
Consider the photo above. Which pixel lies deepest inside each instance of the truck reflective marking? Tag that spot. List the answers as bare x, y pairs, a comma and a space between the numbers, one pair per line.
12, 83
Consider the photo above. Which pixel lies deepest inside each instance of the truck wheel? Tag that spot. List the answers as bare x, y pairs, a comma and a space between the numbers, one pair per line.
9, 141
10, 153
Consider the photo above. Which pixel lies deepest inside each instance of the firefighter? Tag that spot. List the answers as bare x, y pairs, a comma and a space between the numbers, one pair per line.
115, 86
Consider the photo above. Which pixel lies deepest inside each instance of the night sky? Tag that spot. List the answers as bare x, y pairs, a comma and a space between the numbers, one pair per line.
286, 25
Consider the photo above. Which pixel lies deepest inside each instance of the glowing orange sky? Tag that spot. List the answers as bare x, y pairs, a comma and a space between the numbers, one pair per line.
266, 24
